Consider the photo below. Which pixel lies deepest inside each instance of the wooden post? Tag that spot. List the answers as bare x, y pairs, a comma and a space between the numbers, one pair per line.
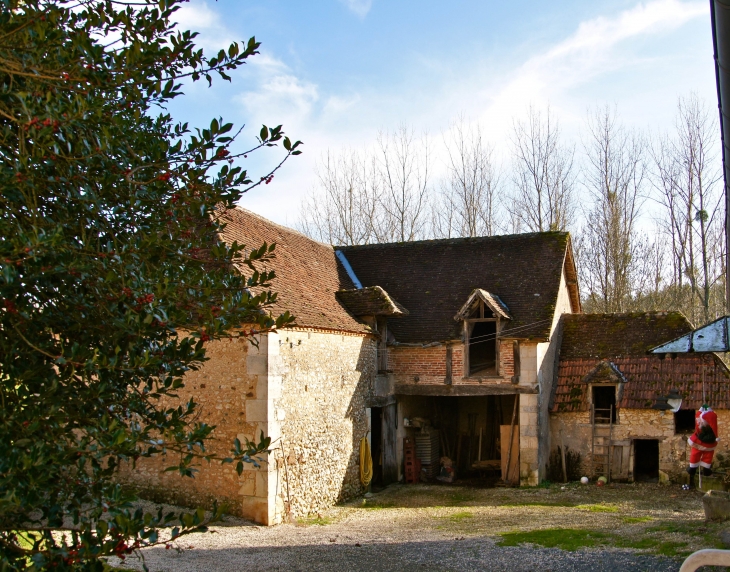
562, 453
479, 452
511, 434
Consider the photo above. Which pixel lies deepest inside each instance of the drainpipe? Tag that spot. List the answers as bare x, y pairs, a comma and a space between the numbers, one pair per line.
720, 14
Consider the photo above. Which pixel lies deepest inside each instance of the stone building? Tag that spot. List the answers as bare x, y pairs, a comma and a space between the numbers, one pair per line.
607, 382
456, 339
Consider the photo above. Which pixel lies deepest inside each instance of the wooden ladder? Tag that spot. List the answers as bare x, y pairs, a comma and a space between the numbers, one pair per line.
601, 442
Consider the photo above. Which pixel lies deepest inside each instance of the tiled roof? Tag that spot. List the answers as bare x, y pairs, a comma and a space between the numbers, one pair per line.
434, 278
307, 272
371, 301
612, 335
646, 378
597, 347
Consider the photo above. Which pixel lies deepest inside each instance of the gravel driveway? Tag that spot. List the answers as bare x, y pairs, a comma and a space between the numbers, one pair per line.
426, 527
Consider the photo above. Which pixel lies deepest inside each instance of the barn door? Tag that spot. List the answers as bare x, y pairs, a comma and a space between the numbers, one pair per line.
390, 461
620, 460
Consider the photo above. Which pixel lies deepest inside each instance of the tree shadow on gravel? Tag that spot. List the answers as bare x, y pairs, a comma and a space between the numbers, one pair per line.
461, 554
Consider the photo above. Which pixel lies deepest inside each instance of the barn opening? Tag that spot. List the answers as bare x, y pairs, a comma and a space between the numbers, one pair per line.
483, 348
604, 403
470, 434
646, 460
684, 422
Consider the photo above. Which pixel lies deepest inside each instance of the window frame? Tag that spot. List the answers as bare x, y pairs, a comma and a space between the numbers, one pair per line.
469, 326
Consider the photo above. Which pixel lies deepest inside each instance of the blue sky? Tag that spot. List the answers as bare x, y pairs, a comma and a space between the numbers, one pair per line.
335, 72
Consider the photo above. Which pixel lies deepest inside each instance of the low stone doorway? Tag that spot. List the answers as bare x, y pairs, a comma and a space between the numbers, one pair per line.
646, 460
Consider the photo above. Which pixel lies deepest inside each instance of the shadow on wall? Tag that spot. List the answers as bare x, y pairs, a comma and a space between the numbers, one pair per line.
351, 485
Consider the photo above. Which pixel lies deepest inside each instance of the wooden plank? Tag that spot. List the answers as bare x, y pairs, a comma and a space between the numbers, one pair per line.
390, 461
460, 390
514, 473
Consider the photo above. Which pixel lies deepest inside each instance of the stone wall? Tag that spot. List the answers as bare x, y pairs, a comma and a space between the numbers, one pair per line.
326, 380
639, 424
304, 389
228, 392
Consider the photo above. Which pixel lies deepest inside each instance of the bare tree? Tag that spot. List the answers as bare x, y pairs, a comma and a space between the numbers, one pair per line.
543, 174
370, 196
404, 176
345, 210
611, 254
468, 201
686, 175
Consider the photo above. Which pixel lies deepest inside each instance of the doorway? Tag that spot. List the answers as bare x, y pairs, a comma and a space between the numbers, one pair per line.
376, 445
646, 460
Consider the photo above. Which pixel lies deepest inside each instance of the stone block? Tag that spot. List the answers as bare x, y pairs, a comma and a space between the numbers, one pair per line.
257, 365
248, 488
261, 484
528, 431
274, 389
256, 410
716, 505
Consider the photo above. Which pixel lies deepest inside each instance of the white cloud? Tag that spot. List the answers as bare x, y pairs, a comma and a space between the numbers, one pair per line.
279, 94
213, 34
594, 49
359, 7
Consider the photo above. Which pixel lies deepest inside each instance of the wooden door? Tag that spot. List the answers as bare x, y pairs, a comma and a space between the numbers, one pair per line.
389, 429
513, 475
620, 454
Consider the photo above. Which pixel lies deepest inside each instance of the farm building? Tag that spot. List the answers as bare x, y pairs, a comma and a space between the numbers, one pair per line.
614, 403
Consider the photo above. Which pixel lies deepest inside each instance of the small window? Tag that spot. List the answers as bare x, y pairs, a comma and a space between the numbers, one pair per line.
684, 422
481, 329
604, 403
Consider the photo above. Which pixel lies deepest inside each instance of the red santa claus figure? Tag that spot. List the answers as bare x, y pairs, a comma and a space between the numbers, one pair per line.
702, 442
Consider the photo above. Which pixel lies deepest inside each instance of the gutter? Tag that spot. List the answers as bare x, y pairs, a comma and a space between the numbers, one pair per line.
350, 272
720, 15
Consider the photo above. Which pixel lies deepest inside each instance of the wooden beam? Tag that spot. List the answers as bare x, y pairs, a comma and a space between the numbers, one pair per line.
433, 389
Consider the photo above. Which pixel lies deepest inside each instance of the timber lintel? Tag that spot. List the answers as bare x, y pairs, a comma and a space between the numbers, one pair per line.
460, 390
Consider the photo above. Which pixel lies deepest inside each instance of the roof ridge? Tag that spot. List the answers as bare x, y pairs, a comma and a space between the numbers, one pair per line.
279, 226
458, 240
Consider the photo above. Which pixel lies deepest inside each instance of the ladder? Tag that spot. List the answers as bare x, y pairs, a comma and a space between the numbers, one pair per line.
601, 442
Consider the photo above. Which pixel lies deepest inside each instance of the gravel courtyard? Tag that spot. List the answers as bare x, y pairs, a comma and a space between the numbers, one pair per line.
429, 527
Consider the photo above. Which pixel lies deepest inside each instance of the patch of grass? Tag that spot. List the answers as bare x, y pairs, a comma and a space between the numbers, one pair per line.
635, 519
316, 520
656, 545
598, 507
460, 516
570, 539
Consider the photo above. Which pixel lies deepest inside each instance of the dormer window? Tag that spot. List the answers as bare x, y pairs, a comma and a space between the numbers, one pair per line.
483, 316
481, 330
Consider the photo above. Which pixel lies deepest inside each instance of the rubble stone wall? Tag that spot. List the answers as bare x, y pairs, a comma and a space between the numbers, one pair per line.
326, 380
639, 424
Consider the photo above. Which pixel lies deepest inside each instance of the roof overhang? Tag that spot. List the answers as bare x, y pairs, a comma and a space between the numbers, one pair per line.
492, 301
713, 337
370, 301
